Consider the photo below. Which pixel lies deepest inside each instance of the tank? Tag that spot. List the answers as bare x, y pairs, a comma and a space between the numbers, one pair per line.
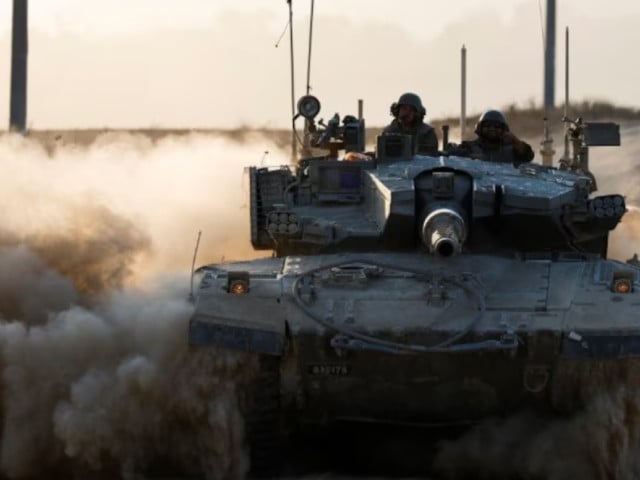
417, 290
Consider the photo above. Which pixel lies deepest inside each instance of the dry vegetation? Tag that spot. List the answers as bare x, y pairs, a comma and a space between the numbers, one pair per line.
527, 122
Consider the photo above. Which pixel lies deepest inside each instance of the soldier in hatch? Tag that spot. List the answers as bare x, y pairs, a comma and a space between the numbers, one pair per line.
494, 142
409, 114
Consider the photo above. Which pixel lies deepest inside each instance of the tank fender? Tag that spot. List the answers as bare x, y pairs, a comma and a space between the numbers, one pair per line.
234, 334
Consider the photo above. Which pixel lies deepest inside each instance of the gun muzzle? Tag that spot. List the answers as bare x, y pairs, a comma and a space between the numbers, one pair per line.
443, 232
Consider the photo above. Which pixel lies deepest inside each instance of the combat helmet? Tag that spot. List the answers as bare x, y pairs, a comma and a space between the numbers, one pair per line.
491, 116
410, 99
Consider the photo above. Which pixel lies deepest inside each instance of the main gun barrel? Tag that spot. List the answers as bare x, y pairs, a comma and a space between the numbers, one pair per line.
443, 232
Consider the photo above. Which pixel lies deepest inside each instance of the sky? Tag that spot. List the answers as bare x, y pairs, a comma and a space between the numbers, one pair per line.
214, 63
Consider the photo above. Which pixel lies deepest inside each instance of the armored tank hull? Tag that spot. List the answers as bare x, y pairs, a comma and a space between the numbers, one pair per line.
429, 291
395, 338
407, 339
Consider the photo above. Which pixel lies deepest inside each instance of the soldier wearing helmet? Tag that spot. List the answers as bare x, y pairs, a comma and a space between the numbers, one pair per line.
494, 142
408, 119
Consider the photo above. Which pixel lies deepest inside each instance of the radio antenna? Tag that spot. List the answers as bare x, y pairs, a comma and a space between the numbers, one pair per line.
548, 45
309, 55
293, 96
193, 266
463, 94
306, 120
566, 91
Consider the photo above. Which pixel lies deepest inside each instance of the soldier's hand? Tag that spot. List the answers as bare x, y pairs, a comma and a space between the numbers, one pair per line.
508, 137
518, 145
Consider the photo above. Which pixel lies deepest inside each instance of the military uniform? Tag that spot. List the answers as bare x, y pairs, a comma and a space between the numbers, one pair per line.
493, 152
424, 138
491, 144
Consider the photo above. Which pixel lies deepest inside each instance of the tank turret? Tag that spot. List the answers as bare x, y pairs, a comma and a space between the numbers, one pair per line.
389, 200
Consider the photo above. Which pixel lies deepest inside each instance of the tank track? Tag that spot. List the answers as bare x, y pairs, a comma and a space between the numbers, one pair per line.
264, 420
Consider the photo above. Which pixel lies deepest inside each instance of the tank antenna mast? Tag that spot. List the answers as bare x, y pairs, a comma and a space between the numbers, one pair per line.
293, 97
309, 54
307, 125
463, 93
193, 265
566, 92
549, 44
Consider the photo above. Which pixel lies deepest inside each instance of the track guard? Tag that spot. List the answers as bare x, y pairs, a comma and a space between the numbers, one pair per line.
206, 331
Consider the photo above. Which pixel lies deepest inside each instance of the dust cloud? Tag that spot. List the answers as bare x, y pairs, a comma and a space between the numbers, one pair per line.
130, 202
600, 442
97, 377
95, 246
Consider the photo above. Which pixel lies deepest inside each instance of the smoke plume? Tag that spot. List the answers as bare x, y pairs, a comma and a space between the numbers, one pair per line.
96, 242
